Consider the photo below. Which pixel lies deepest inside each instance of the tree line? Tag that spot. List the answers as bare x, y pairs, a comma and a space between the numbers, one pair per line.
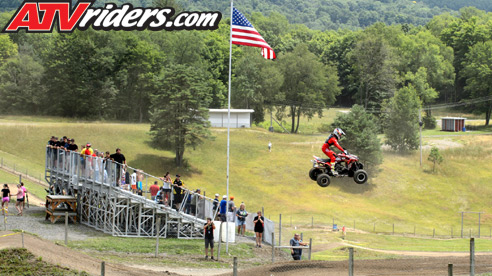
141, 76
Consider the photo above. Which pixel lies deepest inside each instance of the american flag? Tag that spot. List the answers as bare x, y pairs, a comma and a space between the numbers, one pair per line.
243, 33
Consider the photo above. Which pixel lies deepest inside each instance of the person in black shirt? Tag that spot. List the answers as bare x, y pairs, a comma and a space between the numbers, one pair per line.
208, 230
121, 160
72, 146
5, 198
178, 197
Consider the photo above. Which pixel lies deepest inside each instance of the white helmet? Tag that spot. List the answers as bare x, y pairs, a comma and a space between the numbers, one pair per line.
338, 132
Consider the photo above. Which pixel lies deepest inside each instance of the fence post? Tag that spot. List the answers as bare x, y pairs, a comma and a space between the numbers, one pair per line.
103, 268
158, 228
279, 229
354, 225
220, 241
351, 261
2, 161
472, 256
22, 234
302, 236
273, 247
310, 248
450, 269
234, 269
66, 228
433, 232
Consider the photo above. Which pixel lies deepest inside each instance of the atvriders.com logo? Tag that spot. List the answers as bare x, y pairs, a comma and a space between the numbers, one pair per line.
40, 17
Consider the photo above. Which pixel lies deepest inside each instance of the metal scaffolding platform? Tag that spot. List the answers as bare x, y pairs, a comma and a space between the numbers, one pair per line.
105, 206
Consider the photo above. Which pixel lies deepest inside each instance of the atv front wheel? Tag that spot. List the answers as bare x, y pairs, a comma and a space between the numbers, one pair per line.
314, 172
360, 176
323, 180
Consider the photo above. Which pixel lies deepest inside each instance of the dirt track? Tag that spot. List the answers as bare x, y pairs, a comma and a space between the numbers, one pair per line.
58, 254
414, 266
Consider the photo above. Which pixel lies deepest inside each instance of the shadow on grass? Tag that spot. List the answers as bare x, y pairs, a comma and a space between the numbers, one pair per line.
348, 185
159, 165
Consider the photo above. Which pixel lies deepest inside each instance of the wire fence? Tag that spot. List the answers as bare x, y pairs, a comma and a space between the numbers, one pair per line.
23, 171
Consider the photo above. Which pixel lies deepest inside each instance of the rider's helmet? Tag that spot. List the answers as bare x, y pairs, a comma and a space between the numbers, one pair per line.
338, 132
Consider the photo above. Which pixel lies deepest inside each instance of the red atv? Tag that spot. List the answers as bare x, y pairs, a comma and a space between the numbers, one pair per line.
346, 165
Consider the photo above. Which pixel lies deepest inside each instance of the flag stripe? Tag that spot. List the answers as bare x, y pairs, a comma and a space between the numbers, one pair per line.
243, 33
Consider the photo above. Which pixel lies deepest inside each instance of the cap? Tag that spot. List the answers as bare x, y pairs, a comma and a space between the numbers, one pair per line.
224, 196
216, 194
88, 145
73, 140
232, 197
178, 175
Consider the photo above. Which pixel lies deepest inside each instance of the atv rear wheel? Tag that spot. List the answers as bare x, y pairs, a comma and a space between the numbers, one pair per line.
360, 176
314, 172
323, 180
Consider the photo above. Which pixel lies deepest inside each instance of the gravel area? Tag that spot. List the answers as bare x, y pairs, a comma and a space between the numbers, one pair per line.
33, 221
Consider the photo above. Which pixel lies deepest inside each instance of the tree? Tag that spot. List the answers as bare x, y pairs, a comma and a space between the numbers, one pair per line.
361, 134
401, 127
435, 157
425, 93
255, 84
7, 48
374, 68
309, 86
179, 110
478, 74
20, 86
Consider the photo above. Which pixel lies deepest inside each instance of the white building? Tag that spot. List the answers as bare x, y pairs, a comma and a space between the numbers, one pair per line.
240, 118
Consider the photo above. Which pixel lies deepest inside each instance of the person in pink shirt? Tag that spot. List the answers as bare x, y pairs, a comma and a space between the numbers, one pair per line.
20, 199
25, 196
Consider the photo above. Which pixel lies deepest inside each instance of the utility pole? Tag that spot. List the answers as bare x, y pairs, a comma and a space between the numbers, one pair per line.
420, 125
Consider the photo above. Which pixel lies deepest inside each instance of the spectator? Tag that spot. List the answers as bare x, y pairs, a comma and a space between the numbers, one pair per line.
120, 160
178, 196
154, 189
140, 179
20, 199
72, 146
215, 205
26, 197
167, 188
270, 146
159, 197
5, 198
208, 230
223, 209
296, 252
231, 210
259, 227
344, 232
188, 202
241, 215
133, 181
194, 201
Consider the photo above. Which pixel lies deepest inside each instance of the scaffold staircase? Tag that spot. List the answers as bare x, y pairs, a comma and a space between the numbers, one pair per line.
103, 205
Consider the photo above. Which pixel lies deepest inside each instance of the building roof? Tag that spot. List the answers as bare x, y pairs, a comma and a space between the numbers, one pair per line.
453, 118
232, 110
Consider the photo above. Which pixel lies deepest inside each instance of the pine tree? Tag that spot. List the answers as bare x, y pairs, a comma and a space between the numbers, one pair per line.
361, 132
401, 127
435, 157
179, 116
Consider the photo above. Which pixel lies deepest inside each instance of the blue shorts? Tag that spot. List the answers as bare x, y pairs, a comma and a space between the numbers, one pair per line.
241, 222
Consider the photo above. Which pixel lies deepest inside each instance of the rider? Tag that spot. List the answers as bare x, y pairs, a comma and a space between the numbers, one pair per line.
333, 141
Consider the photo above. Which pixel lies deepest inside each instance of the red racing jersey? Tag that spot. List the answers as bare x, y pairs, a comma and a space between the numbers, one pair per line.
333, 141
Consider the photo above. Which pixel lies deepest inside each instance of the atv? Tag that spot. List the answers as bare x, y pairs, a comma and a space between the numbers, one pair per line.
346, 165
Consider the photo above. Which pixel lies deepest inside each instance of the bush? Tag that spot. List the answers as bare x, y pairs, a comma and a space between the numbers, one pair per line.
429, 122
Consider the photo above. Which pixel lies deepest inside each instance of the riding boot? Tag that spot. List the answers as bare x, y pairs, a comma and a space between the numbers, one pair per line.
333, 171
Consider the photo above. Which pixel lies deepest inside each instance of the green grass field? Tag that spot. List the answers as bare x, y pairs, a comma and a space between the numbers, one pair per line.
400, 192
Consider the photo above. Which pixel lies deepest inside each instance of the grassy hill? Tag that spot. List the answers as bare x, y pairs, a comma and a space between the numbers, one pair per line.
402, 192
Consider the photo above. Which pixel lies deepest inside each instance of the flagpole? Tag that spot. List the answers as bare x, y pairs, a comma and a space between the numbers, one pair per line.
229, 128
